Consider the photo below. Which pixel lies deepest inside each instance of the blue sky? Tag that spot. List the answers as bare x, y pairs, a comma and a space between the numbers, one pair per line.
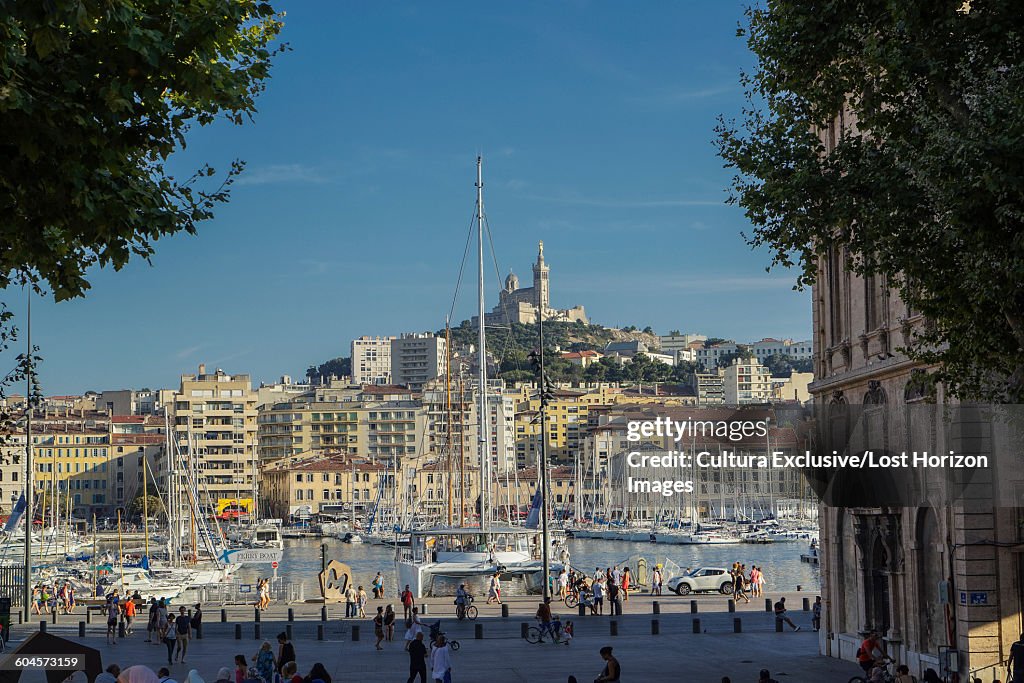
595, 122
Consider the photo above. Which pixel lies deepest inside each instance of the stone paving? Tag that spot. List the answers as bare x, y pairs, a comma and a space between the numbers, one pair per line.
676, 653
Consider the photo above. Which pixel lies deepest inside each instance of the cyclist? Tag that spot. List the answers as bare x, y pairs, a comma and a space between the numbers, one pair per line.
461, 600
866, 655
546, 623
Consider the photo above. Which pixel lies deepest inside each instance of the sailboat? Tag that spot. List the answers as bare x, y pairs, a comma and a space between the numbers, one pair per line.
438, 559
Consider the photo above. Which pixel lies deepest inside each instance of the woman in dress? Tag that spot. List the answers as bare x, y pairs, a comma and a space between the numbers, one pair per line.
389, 623
264, 661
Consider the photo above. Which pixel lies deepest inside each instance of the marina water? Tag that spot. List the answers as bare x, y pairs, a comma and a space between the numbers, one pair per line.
781, 562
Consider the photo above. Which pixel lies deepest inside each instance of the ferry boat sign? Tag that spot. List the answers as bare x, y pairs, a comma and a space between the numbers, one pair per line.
251, 556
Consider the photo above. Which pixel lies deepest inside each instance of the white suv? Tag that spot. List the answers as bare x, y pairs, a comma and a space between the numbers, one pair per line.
702, 579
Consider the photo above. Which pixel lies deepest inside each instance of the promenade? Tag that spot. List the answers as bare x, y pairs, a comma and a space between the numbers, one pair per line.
675, 653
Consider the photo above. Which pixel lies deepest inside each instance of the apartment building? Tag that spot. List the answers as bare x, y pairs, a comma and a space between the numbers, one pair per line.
377, 422
371, 360
745, 380
137, 446
417, 358
709, 357
72, 462
794, 350
215, 433
710, 387
315, 483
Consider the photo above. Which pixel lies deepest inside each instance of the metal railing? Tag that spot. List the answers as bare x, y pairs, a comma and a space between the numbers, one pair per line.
244, 592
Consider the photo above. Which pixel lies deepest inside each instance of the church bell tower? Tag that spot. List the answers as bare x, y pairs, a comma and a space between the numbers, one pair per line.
540, 283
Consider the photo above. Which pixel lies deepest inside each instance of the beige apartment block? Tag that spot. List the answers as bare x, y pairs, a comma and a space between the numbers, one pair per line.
317, 483
215, 431
746, 381
371, 360
138, 444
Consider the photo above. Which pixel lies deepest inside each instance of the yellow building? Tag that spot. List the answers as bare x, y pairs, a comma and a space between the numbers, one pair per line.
72, 462
315, 483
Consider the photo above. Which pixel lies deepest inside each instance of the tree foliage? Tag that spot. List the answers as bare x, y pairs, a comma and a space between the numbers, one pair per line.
95, 96
892, 132
338, 367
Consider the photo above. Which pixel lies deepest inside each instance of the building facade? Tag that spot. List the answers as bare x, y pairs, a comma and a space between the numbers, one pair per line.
933, 579
745, 380
371, 360
417, 358
215, 434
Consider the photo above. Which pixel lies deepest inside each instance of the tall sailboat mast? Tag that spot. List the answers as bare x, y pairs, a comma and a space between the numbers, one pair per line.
484, 431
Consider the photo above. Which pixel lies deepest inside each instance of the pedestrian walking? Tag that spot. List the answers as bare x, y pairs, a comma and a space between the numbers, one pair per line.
389, 623
780, 613
264, 662
351, 598
408, 602
361, 601
816, 614
494, 589
656, 580
760, 581
182, 628
378, 586
626, 580
415, 627
170, 639
598, 588
378, 627
417, 659
112, 613
441, 661
612, 670
285, 650
197, 620
614, 599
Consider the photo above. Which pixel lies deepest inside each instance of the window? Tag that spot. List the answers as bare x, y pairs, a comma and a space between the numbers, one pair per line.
327, 494
298, 494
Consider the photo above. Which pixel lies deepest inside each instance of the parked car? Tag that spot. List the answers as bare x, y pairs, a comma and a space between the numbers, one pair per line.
702, 579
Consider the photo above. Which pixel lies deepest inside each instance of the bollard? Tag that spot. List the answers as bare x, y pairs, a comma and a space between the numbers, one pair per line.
767, 604
323, 613
778, 625
656, 607
238, 631
53, 615
288, 631
693, 606
504, 611
478, 631
423, 608
199, 631
807, 604
655, 627
582, 610
524, 629
737, 625
355, 633
88, 616
42, 626
319, 631
613, 627
223, 616
257, 629
120, 630
696, 625
81, 629
256, 613
291, 614
732, 605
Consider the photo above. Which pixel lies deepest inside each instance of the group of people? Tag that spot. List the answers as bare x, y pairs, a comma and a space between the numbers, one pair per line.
46, 598
262, 593
355, 602
746, 584
437, 659
384, 625
270, 667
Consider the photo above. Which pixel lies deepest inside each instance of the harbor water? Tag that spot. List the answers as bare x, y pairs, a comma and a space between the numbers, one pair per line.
781, 561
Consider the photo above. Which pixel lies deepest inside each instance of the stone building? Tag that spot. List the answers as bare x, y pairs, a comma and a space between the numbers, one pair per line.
525, 304
941, 582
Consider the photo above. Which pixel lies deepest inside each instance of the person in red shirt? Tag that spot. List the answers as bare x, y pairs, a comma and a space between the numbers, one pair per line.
129, 615
408, 601
866, 656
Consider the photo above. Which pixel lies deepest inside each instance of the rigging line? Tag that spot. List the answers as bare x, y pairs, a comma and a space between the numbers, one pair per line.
504, 308
462, 266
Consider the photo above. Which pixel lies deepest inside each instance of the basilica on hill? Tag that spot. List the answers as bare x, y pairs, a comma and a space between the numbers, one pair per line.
525, 304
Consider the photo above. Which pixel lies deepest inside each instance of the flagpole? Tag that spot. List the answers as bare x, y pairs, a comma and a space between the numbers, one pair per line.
29, 483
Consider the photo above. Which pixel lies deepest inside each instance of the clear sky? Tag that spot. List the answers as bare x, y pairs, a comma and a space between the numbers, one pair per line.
595, 122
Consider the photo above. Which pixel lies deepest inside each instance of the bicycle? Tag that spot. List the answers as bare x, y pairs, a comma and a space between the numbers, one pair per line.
887, 675
466, 611
535, 634
435, 631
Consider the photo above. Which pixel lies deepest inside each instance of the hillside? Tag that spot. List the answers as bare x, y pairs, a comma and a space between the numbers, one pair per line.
521, 339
